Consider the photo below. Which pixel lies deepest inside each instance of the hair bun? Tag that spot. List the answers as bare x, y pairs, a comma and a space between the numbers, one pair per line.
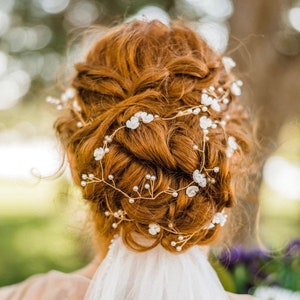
155, 107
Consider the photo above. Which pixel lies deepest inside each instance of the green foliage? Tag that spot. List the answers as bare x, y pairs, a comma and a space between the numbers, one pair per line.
31, 245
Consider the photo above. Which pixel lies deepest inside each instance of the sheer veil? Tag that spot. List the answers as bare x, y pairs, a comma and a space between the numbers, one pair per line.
156, 274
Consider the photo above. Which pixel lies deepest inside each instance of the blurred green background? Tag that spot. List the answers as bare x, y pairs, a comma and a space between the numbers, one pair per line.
43, 224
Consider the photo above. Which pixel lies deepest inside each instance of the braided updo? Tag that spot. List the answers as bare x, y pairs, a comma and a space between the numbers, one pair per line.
147, 66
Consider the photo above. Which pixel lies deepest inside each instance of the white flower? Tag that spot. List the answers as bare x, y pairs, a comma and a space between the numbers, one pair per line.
235, 89
219, 218
146, 118
134, 121
199, 178
209, 101
215, 105
205, 99
205, 122
192, 190
231, 146
99, 153
76, 106
154, 229
228, 63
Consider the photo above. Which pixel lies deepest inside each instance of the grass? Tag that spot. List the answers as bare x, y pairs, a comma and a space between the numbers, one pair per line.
40, 230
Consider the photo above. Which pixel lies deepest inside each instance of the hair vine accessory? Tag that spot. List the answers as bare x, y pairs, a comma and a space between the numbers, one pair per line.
211, 100
68, 100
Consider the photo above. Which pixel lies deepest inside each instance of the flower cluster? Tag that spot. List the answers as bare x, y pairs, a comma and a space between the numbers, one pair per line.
136, 119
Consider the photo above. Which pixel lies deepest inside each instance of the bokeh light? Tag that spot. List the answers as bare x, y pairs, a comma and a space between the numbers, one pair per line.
218, 9
215, 34
54, 6
4, 22
14, 86
283, 177
151, 12
82, 14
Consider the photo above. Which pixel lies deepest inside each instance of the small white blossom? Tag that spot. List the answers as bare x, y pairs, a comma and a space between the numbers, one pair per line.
199, 178
76, 106
215, 105
154, 229
205, 99
192, 190
231, 146
235, 89
205, 122
228, 63
70, 92
133, 123
219, 218
99, 153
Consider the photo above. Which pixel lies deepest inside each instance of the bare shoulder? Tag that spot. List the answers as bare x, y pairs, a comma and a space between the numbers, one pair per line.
240, 297
53, 285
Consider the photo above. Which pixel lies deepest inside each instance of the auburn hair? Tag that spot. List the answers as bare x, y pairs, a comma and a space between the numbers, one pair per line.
159, 69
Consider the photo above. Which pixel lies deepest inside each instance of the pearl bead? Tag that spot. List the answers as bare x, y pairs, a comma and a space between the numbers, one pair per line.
110, 177
107, 213
114, 225
148, 176
106, 150
173, 243
195, 147
84, 176
175, 194
91, 176
135, 188
196, 111
216, 169
180, 238
178, 248
239, 82
108, 139
147, 186
204, 108
153, 177
79, 124
131, 200
83, 183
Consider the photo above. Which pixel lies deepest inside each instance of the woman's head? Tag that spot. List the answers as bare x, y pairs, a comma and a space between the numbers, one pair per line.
156, 110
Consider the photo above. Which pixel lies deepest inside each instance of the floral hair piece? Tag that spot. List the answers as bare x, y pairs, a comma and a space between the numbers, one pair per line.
211, 99
68, 100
